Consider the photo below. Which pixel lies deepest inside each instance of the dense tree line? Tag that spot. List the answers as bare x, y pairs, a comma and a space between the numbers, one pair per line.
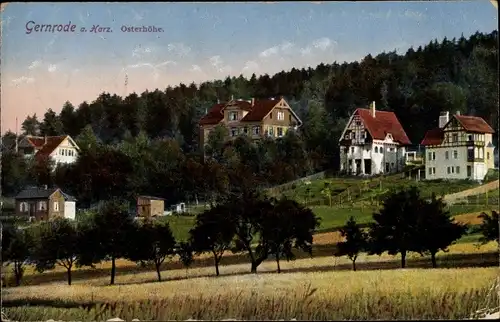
253, 224
155, 134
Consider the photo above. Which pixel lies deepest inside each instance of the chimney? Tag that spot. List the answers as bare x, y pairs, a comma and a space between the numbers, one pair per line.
232, 97
45, 139
45, 187
218, 101
457, 113
253, 101
372, 109
444, 117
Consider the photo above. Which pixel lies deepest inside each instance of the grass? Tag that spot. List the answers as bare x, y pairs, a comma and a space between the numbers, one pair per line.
374, 294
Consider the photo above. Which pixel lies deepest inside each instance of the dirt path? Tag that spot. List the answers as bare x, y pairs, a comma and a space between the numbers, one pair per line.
454, 197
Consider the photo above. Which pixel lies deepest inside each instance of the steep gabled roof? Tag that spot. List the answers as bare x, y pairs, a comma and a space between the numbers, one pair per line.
256, 113
383, 123
260, 109
433, 137
469, 123
35, 141
214, 115
474, 124
52, 143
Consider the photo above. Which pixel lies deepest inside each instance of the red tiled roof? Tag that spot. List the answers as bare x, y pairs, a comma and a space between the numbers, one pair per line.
470, 123
49, 147
214, 116
260, 109
474, 124
256, 112
36, 141
383, 123
433, 137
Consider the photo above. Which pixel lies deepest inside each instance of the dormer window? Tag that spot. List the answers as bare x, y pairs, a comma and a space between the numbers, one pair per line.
233, 116
389, 136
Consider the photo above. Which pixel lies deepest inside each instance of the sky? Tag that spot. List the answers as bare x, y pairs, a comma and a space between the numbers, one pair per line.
196, 42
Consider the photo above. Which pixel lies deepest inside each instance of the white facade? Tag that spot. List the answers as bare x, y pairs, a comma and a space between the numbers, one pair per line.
460, 155
361, 155
66, 152
70, 210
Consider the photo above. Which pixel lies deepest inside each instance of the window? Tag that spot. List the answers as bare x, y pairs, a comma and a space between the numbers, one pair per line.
290, 118
233, 116
281, 116
381, 149
387, 167
391, 149
245, 130
234, 131
469, 171
56, 206
433, 155
271, 115
358, 123
457, 170
433, 170
452, 169
376, 149
481, 153
455, 154
392, 165
23, 207
280, 131
352, 149
42, 205
430, 170
469, 137
448, 170
256, 130
454, 137
487, 155
446, 155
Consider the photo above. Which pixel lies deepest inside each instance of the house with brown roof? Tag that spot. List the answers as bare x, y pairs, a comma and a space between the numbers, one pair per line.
256, 118
373, 142
460, 148
61, 149
43, 203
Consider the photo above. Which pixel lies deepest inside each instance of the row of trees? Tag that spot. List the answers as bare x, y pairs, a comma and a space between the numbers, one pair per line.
409, 223
276, 226
457, 74
261, 227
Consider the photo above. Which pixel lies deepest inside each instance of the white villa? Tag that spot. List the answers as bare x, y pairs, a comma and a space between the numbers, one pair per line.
460, 148
62, 149
373, 142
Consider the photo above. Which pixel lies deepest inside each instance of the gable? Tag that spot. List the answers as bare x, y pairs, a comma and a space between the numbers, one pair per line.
283, 105
453, 125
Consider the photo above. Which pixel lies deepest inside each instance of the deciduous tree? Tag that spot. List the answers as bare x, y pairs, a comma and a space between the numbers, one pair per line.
355, 241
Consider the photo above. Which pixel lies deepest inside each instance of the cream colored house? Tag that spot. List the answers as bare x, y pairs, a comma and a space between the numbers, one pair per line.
460, 148
254, 118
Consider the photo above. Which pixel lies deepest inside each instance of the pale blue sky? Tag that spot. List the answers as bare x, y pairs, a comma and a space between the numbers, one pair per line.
203, 41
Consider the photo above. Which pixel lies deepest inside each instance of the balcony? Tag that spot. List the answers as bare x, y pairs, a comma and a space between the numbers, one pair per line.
474, 143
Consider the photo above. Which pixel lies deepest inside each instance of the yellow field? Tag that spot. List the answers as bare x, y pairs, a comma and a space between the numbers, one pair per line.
395, 294
469, 219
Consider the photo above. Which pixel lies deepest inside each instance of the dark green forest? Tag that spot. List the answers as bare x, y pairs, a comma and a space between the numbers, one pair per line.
147, 143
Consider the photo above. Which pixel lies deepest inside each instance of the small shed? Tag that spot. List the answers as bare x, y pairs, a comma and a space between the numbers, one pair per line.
148, 206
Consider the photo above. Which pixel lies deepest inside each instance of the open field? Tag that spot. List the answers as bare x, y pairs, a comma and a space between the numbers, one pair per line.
373, 294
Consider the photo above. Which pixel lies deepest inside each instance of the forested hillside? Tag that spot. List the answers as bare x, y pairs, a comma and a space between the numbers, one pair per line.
155, 132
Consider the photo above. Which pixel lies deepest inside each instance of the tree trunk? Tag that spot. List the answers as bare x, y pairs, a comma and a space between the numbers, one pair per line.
253, 269
158, 265
113, 270
69, 274
354, 265
18, 273
403, 258
433, 259
278, 263
216, 262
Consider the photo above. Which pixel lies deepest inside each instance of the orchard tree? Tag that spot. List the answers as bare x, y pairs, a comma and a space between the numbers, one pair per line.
355, 241
489, 227
213, 232
16, 250
289, 225
437, 230
106, 235
153, 243
57, 243
395, 228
